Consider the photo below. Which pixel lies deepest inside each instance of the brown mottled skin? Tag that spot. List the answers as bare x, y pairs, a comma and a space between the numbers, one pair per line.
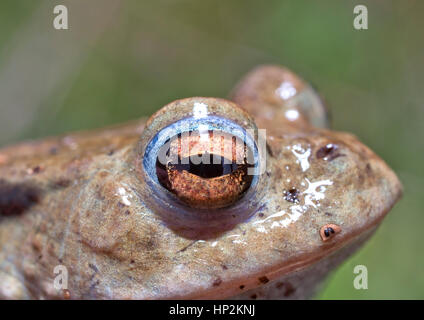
81, 201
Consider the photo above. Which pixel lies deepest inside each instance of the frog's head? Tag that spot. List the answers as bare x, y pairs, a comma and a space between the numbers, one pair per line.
228, 196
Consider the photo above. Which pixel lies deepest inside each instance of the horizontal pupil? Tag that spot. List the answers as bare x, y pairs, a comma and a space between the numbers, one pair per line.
210, 166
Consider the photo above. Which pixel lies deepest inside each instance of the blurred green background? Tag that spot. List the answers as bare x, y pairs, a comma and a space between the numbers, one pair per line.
124, 59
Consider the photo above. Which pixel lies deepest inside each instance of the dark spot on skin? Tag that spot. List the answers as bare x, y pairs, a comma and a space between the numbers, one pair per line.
99, 195
217, 282
53, 150
279, 285
35, 170
242, 287
264, 279
121, 205
15, 199
103, 174
368, 169
150, 244
329, 152
361, 178
61, 183
289, 290
253, 296
278, 174
261, 208
40, 257
268, 148
36, 246
187, 246
92, 266
94, 285
291, 195
132, 261
224, 267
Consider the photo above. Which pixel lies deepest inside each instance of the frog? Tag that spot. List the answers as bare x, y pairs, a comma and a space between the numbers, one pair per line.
126, 212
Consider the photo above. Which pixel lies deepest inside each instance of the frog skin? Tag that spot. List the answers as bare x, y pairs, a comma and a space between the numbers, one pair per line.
85, 201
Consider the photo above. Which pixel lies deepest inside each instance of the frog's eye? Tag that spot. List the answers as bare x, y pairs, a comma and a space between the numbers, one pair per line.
202, 159
280, 92
205, 166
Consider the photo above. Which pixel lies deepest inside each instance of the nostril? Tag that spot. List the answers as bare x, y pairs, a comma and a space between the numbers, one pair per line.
328, 231
328, 152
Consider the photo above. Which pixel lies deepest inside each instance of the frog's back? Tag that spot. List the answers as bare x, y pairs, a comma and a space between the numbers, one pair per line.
41, 182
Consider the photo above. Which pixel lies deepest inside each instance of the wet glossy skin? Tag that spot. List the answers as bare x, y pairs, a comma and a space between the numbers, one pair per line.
87, 201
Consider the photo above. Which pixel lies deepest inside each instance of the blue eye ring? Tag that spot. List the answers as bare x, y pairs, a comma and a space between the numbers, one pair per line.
192, 125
